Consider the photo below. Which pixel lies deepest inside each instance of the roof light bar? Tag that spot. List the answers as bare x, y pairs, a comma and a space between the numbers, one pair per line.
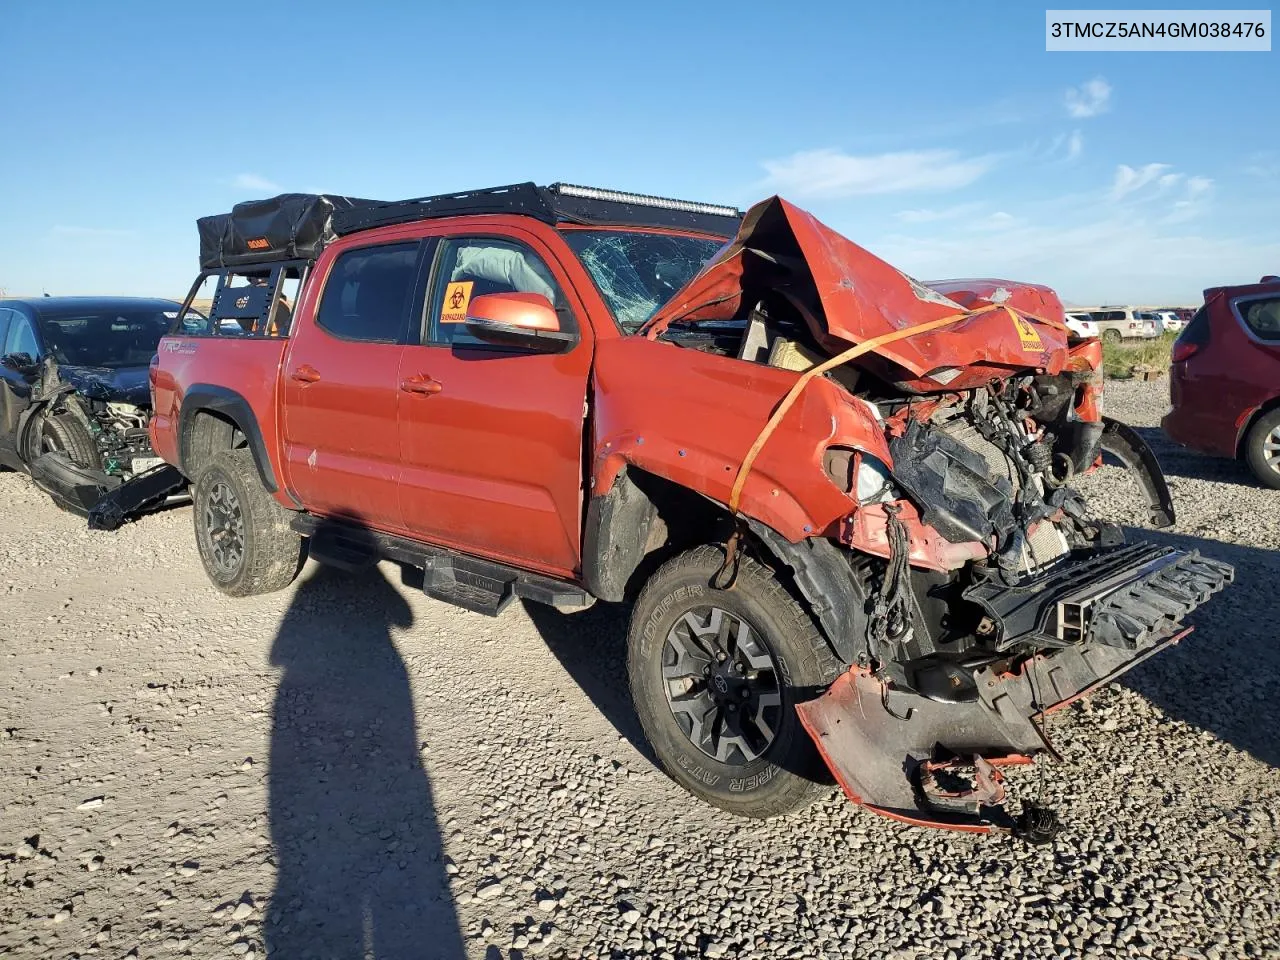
643, 199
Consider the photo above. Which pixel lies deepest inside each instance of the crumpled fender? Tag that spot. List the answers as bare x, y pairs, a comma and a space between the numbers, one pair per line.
848, 295
696, 428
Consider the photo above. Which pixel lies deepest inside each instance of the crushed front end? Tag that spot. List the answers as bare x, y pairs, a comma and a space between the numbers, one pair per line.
1022, 603
87, 439
975, 592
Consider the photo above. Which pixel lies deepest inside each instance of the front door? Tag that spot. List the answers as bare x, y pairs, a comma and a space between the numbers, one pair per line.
492, 450
16, 337
339, 383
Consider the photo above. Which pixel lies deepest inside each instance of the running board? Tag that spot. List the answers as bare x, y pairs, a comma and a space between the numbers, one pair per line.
475, 584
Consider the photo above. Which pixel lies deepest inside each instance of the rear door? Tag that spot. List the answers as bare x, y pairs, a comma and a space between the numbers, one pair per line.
339, 385
492, 458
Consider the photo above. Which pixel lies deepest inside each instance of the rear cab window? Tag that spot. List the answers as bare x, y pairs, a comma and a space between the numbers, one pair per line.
243, 302
369, 291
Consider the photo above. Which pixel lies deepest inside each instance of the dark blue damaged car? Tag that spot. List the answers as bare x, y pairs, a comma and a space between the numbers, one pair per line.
75, 398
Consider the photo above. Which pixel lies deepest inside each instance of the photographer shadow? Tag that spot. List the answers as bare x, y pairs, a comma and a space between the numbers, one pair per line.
360, 864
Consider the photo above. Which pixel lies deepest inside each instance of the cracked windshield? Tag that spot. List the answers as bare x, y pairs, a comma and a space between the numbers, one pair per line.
636, 273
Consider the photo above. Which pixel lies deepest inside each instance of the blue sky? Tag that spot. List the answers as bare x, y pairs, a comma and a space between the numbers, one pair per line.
940, 136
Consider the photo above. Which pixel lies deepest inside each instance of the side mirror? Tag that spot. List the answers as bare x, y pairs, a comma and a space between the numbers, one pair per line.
517, 320
23, 363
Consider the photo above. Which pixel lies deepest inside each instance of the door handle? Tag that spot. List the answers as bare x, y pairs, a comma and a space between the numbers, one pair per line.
306, 374
421, 384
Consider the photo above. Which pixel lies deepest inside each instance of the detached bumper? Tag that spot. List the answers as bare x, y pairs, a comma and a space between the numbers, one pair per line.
72, 487
104, 500
895, 751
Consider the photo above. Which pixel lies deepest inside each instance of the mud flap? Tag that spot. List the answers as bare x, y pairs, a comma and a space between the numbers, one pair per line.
148, 489
1124, 443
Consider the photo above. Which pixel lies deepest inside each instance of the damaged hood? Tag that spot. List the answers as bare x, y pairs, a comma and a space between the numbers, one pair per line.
113, 384
848, 295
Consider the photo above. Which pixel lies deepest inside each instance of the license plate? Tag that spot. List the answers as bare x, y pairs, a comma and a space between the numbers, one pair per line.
141, 464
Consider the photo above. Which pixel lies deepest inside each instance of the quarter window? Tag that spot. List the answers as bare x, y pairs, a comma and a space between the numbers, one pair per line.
4, 326
471, 267
1262, 317
368, 293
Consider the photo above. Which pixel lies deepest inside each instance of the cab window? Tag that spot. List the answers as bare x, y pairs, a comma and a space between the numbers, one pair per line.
470, 267
368, 293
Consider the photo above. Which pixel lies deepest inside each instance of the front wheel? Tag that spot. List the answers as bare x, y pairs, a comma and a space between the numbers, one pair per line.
716, 675
244, 538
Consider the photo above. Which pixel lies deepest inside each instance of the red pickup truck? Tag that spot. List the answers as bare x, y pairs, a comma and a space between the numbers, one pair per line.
838, 499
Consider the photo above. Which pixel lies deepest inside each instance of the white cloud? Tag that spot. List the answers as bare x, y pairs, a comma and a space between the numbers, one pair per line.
1195, 200
91, 233
830, 173
1105, 257
932, 216
1198, 185
1075, 145
253, 181
1129, 180
1264, 164
1089, 99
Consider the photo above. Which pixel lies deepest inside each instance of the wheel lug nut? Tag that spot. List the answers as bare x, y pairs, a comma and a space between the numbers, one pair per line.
706, 671
745, 693
732, 707
720, 657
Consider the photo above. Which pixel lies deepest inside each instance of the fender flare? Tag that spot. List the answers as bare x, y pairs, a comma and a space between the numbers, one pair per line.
227, 402
825, 579
621, 525
1126, 445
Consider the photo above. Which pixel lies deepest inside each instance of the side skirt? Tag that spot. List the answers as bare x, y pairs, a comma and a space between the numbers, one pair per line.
473, 583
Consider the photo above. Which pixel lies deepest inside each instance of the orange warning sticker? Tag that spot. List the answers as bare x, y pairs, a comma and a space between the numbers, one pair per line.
1027, 334
258, 243
456, 298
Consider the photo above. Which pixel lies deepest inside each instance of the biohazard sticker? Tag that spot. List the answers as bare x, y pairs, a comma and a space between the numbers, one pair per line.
1027, 334
456, 298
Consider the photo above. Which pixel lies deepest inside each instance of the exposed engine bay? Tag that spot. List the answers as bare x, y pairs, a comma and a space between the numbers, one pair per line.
86, 435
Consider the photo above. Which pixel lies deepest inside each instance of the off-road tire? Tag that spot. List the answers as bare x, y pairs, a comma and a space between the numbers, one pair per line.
789, 774
63, 432
271, 552
1255, 454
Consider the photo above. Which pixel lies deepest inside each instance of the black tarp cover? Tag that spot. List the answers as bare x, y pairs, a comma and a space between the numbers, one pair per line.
288, 227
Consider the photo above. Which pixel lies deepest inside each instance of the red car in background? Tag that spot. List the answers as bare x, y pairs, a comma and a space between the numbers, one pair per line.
1224, 380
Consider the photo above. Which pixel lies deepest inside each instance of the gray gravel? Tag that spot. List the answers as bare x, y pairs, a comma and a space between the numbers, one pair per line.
348, 769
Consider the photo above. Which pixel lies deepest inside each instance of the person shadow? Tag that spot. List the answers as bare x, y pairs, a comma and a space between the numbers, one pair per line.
359, 855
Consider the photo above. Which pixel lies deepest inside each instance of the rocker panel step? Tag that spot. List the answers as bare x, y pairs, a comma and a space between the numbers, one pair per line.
473, 583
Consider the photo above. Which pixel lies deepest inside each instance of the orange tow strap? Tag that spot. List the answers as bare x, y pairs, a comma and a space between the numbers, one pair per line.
865, 347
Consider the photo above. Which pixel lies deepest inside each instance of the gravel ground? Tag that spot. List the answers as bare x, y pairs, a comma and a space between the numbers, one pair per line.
347, 769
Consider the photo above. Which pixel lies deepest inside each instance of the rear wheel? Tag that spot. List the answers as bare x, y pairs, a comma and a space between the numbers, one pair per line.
1111, 336
715, 676
1262, 449
244, 538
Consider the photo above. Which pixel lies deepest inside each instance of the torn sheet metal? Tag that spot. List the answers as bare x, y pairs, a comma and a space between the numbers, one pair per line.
849, 295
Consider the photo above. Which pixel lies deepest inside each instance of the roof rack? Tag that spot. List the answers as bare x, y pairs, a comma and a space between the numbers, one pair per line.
558, 203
